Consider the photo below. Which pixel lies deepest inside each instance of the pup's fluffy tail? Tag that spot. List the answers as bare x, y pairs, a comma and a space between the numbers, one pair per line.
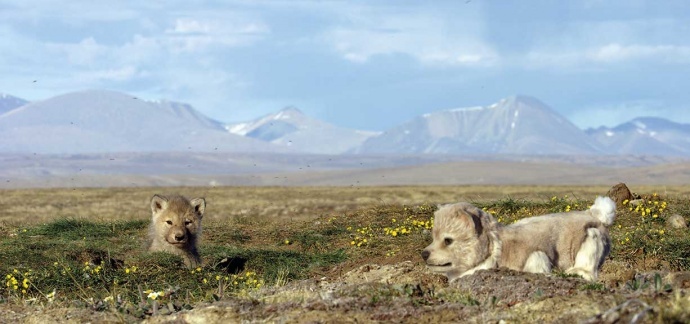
604, 209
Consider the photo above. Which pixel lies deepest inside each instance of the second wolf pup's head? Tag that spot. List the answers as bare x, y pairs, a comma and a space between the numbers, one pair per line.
177, 220
461, 239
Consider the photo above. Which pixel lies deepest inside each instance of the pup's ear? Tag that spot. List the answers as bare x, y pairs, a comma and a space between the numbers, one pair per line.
199, 205
158, 203
482, 220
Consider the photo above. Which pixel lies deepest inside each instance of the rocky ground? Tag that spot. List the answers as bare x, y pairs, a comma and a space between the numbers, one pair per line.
407, 293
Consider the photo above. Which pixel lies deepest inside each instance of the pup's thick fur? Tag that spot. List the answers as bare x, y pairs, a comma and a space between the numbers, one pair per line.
467, 239
176, 226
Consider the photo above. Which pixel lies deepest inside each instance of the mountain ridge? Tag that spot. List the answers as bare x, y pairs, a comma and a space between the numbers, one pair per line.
645, 135
290, 127
9, 103
92, 121
515, 125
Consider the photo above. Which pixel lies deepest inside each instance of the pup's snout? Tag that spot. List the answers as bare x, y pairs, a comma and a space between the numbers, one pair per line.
179, 237
425, 254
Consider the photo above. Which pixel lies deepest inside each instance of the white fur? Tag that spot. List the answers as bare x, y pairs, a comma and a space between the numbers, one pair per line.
538, 262
590, 256
604, 209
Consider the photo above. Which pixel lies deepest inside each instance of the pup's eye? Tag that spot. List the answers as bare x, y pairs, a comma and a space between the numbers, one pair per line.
187, 222
169, 222
448, 241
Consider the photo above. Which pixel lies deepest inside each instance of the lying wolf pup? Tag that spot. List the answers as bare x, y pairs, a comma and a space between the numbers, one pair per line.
176, 226
467, 239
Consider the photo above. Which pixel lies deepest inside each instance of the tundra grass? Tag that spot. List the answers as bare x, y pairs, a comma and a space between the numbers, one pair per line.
102, 265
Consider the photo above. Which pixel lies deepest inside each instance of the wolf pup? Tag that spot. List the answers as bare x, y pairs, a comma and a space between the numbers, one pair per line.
467, 239
176, 226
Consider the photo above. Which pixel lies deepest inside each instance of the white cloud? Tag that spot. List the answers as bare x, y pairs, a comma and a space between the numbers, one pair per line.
86, 52
617, 53
74, 12
361, 45
607, 55
191, 34
428, 37
189, 26
122, 74
614, 42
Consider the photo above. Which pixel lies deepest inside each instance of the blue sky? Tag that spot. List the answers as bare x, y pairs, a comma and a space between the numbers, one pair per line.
359, 64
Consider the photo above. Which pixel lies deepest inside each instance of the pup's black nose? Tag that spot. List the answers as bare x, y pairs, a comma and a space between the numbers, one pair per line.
425, 254
179, 237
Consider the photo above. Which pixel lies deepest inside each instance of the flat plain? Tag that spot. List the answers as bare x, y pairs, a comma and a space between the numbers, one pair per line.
324, 254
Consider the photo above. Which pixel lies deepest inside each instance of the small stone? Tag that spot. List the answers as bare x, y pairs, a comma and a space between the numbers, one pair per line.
620, 193
677, 221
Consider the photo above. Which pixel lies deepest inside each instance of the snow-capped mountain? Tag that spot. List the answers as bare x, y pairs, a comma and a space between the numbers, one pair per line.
645, 135
97, 121
292, 128
8, 103
515, 125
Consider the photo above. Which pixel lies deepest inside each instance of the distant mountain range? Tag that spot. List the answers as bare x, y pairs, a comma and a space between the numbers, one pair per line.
99, 121
646, 135
301, 133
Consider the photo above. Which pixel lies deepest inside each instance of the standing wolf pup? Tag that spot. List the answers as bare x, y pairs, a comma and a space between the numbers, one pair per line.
176, 226
467, 239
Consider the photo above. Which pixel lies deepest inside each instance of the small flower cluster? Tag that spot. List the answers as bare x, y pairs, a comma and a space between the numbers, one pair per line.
392, 253
400, 230
427, 224
153, 295
648, 214
569, 204
658, 234
408, 226
90, 268
425, 208
13, 284
652, 207
131, 270
568, 207
625, 237
51, 296
361, 237
249, 280
639, 234
415, 219
556, 199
